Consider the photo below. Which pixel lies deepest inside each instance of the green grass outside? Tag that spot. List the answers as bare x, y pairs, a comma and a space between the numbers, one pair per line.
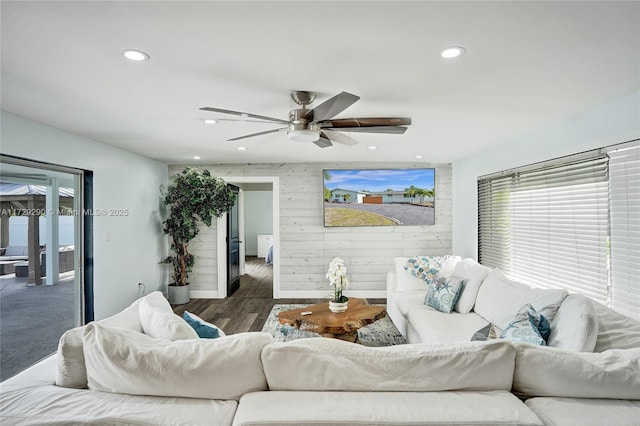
336, 216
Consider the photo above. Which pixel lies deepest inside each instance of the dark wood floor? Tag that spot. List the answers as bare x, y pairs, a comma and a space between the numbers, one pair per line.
246, 309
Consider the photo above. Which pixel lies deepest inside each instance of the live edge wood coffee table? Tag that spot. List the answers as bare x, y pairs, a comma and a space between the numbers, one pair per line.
343, 326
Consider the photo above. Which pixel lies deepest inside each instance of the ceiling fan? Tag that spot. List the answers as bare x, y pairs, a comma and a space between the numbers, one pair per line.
317, 125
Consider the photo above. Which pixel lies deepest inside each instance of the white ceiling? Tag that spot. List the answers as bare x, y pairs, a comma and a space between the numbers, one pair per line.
527, 65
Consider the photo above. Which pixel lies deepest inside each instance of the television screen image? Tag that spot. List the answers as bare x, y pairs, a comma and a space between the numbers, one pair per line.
379, 197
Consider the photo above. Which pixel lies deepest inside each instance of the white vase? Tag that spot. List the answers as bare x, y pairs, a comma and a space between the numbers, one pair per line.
337, 307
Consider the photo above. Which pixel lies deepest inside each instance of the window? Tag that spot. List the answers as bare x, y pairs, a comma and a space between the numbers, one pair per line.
570, 223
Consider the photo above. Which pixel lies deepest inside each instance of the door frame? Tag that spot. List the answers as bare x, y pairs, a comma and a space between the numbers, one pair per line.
221, 226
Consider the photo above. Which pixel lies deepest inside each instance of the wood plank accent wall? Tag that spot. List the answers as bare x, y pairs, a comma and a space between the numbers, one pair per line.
307, 247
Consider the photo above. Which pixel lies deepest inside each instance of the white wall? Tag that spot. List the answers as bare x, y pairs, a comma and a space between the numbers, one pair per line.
258, 218
615, 122
307, 247
126, 249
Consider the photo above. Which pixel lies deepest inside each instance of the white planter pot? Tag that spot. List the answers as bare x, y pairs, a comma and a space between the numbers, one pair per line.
178, 295
337, 308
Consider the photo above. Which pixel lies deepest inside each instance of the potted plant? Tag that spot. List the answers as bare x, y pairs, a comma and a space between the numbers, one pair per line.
337, 276
193, 197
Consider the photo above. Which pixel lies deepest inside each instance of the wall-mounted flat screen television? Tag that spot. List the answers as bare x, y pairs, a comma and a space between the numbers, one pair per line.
379, 197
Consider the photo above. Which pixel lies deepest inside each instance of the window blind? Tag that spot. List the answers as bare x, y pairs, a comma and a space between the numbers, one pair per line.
624, 193
547, 225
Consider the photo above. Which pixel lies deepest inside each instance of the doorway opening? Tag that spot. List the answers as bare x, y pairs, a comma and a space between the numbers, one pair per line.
258, 235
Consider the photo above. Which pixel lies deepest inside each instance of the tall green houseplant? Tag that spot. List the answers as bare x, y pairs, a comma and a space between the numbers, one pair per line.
193, 197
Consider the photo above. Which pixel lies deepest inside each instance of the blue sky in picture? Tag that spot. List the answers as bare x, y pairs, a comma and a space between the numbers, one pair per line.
376, 180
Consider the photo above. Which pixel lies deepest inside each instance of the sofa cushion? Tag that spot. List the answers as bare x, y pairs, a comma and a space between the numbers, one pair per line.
585, 412
547, 371
473, 275
159, 321
71, 370
19, 251
53, 405
575, 326
435, 327
383, 408
499, 298
122, 361
615, 331
406, 301
331, 364
524, 327
443, 293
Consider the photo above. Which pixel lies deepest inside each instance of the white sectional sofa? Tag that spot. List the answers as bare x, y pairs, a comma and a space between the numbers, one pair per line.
143, 367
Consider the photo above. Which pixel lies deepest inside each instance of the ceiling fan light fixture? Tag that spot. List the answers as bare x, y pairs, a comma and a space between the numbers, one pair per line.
303, 135
452, 52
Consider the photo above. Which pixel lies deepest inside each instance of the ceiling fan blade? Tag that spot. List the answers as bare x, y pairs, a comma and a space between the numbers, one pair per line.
324, 141
244, 114
396, 130
335, 136
257, 134
367, 122
332, 106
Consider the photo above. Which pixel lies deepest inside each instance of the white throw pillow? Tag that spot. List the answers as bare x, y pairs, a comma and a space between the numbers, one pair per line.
575, 326
71, 371
473, 275
159, 321
335, 365
546, 371
122, 361
499, 298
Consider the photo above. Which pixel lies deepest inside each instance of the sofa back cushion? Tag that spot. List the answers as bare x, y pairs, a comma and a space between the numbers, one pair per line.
123, 361
71, 371
546, 371
575, 326
332, 364
473, 275
500, 298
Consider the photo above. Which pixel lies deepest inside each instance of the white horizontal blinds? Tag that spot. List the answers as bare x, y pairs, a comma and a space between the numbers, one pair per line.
494, 222
559, 227
624, 187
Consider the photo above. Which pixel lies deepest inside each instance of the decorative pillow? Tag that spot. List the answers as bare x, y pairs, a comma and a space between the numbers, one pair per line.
576, 327
485, 333
425, 267
443, 294
204, 329
473, 275
122, 361
524, 327
159, 321
405, 281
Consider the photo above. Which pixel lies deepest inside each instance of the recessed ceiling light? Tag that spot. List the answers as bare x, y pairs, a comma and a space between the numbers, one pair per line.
452, 52
195, 157
210, 121
242, 148
135, 55
418, 156
372, 147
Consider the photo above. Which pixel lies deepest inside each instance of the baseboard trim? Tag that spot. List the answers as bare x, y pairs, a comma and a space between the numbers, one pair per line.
322, 294
204, 294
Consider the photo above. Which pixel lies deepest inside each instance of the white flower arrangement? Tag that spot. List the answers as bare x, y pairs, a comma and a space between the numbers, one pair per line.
337, 276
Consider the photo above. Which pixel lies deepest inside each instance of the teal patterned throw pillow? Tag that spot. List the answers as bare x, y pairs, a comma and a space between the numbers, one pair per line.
443, 294
524, 327
425, 267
